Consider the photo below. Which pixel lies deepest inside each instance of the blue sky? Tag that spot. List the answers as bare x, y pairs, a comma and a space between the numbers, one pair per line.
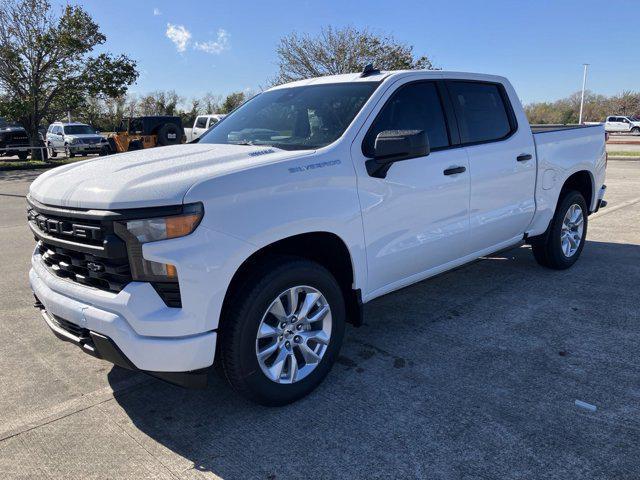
230, 45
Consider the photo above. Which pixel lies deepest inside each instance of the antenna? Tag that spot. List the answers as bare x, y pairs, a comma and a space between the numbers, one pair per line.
369, 70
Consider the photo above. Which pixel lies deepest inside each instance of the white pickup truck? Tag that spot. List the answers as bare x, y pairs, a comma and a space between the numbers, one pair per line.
253, 247
201, 124
622, 124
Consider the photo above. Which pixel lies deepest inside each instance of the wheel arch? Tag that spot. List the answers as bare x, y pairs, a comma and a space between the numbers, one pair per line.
325, 248
581, 181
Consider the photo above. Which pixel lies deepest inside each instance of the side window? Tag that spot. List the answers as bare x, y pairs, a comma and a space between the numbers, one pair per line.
415, 106
481, 112
212, 121
201, 122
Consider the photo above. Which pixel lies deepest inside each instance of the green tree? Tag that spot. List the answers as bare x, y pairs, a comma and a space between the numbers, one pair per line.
344, 50
46, 62
233, 101
160, 103
596, 108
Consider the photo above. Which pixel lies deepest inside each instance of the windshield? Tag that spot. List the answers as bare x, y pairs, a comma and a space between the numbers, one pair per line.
295, 118
79, 130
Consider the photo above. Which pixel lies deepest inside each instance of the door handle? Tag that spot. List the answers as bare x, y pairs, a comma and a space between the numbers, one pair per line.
524, 157
454, 170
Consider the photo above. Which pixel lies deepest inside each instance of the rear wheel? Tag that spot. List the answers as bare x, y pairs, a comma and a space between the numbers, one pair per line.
283, 332
22, 155
561, 245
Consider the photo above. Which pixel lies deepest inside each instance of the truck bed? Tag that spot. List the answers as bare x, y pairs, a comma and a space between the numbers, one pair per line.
560, 152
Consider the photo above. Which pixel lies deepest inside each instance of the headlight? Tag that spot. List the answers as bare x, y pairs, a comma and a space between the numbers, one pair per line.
140, 231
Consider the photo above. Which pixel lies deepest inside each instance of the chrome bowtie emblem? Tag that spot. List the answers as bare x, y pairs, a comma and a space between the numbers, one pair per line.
95, 267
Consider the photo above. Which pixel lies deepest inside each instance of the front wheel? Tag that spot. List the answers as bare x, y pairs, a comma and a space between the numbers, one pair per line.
51, 152
283, 331
635, 130
561, 245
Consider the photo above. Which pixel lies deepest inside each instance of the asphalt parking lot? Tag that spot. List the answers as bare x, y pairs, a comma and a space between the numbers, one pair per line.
473, 374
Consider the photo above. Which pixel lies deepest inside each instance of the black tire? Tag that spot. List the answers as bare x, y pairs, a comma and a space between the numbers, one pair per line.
67, 151
547, 248
169, 134
240, 323
23, 155
51, 151
635, 130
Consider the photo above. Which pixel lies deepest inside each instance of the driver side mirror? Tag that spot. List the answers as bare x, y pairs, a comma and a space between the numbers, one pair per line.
394, 146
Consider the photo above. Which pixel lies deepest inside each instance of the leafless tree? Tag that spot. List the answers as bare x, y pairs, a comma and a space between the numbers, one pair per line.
342, 50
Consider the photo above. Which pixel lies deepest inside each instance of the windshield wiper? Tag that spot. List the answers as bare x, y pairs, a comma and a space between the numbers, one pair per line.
242, 142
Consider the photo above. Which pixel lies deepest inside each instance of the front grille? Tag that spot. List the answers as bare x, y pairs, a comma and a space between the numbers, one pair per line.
90, 232
106, 274
17, 138
82, 246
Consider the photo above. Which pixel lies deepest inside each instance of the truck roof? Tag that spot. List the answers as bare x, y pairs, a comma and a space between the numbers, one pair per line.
388, 75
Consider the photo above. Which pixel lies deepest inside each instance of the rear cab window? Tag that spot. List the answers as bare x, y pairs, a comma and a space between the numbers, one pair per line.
201, 122
483, 111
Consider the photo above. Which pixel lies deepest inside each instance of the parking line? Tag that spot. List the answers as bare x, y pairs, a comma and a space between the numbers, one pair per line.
607, 210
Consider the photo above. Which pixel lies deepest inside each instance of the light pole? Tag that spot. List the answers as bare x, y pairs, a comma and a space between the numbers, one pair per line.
584, 83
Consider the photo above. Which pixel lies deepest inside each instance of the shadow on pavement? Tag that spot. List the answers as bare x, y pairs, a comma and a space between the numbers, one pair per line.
474, 373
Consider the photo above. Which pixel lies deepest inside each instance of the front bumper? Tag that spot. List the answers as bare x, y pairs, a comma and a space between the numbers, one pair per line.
103, 347
88, 148
161, 356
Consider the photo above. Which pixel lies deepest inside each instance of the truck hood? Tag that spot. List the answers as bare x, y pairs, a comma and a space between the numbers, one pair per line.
147, 178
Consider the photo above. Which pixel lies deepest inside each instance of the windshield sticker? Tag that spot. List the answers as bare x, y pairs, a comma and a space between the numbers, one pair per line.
313, 166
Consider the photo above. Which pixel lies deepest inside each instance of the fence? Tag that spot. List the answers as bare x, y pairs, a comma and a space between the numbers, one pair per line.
45, 153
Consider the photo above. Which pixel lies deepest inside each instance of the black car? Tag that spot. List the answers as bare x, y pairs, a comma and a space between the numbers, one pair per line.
13, 140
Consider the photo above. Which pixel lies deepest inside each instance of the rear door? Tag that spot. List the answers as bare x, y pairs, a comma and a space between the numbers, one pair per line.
416, 218
502, 166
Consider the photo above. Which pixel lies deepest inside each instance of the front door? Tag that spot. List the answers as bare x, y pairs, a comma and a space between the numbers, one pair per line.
416, 218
